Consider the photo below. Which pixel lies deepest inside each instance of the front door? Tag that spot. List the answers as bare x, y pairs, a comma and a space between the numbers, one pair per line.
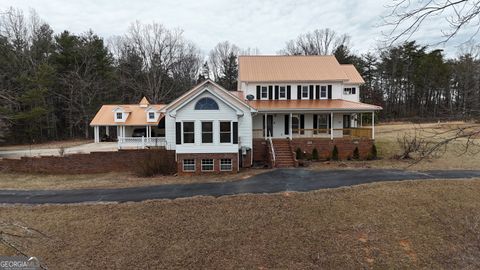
269, 125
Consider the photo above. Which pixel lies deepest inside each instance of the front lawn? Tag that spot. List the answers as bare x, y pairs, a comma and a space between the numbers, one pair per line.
411, 224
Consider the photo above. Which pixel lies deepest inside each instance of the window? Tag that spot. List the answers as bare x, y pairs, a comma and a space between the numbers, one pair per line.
225, 132
323, 91
188, 132
349, 91
189, 165
282, 92
207, 165
206, 103
207, 132
151, 115
305, 91
119, 115
225, 164
264, 92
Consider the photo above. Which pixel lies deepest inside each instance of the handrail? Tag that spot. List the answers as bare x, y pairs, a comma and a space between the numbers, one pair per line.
271, 148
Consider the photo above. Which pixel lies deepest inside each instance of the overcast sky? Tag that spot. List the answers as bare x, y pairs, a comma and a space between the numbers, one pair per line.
265, 25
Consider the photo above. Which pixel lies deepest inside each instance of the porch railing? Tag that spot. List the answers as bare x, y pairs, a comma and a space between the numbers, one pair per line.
141, 142
324, 133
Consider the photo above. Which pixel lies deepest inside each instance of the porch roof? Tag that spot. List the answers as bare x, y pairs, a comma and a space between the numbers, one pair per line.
312, 105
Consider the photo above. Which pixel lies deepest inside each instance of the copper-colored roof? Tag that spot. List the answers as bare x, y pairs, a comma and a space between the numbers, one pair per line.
137, 115
144, 101
320, 105
281, 68
352, 73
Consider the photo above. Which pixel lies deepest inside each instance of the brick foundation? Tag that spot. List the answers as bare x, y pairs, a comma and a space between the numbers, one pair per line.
259, 150
95, 162
324, 147
216, 162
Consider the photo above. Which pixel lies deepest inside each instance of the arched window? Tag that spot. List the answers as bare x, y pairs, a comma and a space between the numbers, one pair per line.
206, 103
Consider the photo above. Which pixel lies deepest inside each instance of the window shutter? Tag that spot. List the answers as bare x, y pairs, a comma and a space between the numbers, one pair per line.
329, 121
258, 92
317, 91
276, 91
263, 124
178, 132
329, 91
299, 92
311, 91
302, 121
315, 120
270, 92
287, 124
235, 132
354, 90
289, 92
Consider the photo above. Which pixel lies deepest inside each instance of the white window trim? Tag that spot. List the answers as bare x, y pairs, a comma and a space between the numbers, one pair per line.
213, 165
183, 142
308, 92
213, 131
151, 118
279, 91
116, 115
220, 132
326, 92
350, 90
261, 92
194, 165
231, 165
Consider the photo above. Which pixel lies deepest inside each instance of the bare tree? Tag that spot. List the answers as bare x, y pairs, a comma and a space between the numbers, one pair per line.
219, 55
318, 42
407, 17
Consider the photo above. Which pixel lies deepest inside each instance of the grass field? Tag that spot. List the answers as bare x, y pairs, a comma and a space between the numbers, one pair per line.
401, 225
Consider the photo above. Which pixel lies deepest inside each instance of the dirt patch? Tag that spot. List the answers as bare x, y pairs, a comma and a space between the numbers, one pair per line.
380, 226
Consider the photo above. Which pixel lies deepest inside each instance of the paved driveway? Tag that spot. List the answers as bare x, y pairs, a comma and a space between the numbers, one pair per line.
83, 148
270, 182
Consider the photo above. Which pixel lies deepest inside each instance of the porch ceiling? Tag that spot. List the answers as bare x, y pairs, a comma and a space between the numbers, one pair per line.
312, 105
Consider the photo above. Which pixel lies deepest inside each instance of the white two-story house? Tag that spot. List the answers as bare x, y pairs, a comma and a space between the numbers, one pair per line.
282, 103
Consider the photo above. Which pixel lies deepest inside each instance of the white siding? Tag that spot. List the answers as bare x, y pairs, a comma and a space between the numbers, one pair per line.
337, 89
225, 113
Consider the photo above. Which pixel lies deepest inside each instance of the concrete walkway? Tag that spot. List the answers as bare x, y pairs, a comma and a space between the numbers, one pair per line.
79, 149
278, 180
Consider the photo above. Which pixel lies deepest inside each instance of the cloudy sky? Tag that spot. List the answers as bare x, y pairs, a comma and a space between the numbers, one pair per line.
262, 24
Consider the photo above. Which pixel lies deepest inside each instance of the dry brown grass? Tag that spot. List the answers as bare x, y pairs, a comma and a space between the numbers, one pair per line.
401, 225
386, 141
109, 180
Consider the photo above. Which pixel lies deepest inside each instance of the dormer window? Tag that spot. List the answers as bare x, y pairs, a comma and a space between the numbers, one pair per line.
119, 115
151, 115
206, 103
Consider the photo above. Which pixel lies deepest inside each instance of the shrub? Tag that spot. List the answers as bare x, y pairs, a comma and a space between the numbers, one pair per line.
154, 164
299, 154
335, 153
356, 154
373, 153
315, 154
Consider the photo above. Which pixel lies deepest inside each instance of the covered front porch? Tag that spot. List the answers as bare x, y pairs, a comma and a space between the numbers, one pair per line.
314, 124
131, 137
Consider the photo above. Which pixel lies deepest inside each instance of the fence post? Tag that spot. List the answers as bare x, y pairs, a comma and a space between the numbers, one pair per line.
143, 142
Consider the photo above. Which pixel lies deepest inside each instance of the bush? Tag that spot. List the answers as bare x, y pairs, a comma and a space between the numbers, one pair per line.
373, 153
335, 153
298, 154
356, 154
154, 164
315, 154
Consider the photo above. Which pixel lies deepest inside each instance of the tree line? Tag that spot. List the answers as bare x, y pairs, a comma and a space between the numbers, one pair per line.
51, 85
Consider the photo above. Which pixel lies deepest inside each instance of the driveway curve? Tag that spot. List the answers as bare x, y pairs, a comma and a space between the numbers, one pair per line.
278, 180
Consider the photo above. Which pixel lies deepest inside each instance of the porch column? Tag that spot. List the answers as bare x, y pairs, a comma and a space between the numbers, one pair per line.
373, 125
96, 132
265, 126
290, 127
107, 130
147, 131
361, 120
123, 131
331, 126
